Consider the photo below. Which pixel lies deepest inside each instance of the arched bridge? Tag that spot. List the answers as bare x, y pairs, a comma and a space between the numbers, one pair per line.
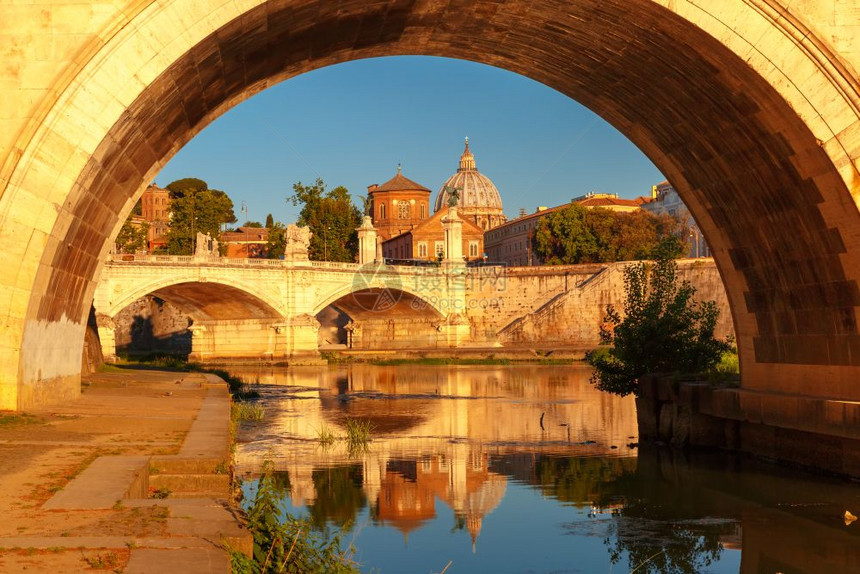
269, 308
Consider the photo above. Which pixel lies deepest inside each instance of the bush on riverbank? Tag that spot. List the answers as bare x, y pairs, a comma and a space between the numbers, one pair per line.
663, 330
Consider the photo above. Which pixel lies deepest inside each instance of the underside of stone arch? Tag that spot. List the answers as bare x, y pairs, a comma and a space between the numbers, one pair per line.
211, 301
770, 198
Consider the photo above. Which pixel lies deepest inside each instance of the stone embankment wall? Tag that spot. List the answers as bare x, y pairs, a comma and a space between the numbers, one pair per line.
572, 318
496, 301
822, 434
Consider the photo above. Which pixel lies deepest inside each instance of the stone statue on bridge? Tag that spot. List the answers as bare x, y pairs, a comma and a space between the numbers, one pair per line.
206, 246
298, 240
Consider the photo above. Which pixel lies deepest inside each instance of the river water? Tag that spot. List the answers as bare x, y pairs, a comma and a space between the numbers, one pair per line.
527, 469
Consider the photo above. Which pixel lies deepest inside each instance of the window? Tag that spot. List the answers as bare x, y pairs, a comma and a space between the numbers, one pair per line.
422, 247
473, 249
423, 211
403, 210
381, 211
439, 248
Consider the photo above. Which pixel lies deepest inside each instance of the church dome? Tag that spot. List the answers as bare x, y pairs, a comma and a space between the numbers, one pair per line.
479, 199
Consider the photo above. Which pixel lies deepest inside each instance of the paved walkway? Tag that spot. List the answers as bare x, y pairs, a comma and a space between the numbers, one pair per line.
78, 479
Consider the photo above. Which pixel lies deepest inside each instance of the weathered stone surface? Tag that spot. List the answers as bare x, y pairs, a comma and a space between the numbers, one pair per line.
751, 109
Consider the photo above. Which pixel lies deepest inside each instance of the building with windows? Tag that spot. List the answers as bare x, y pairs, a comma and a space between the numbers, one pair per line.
511, 243
399, 212
245, 242
155, 210
398, 205
665, 200
426, 241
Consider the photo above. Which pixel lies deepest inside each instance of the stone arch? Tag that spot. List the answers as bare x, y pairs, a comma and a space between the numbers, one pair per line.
405, 298
752, 115
254, 303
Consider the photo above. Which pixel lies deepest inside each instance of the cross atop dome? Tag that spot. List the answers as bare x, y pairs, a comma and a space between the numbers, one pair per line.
467, 160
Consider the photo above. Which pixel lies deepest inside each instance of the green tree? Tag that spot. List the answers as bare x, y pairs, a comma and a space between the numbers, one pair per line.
577, 234
564, 237
277, 243
132, 236
270, 221
254, 224
194, 208
663, 329
332, 219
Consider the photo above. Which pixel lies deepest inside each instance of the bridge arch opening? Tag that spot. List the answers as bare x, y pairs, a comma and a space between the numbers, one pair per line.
212, 301
378, 318
762, 154
190, 318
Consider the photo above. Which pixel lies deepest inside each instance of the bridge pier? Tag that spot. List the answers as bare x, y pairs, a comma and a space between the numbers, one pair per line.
454, 331
302, 338
237, 339
107, 337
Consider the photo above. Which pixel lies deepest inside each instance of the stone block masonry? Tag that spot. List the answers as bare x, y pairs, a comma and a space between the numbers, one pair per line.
756, 125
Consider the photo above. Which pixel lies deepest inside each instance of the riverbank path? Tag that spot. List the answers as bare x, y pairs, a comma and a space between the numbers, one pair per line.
133, 476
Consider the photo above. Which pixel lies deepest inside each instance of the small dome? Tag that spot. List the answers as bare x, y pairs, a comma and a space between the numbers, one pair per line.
477, 191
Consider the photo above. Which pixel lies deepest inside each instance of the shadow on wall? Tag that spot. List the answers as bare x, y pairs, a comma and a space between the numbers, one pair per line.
333, 324
152, 325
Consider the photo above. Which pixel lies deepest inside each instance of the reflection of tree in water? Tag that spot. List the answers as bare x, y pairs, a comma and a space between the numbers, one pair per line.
339, 497
579, 480
658, 523
279, 481
664, 545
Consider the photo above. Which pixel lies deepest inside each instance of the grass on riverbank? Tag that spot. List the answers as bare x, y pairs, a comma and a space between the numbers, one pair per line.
336, 359
244, 411
239, 389
285, 543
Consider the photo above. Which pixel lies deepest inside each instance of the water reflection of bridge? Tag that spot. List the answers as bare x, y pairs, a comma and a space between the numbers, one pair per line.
438, 431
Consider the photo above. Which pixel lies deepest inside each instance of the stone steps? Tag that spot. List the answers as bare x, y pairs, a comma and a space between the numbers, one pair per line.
104, 482
183, 465
191, 485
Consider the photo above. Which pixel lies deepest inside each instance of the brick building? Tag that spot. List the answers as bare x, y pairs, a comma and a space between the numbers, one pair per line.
400, 213
398, 205
245, 242
155, 210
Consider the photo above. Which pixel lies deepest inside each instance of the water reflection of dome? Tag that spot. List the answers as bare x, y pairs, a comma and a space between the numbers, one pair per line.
404, 502
481, 502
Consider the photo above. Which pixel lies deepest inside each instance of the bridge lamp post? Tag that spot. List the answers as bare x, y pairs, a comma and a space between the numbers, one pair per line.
694, 237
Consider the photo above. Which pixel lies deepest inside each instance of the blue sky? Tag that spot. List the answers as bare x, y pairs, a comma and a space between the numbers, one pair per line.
351, 124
